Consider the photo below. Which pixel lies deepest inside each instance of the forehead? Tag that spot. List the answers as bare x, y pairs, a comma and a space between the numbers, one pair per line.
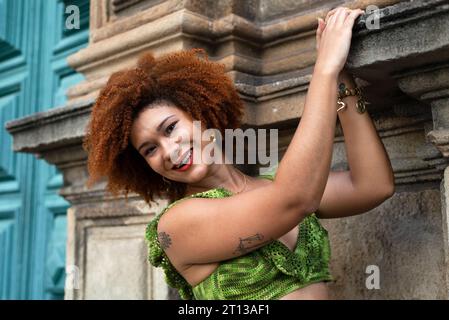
149, 119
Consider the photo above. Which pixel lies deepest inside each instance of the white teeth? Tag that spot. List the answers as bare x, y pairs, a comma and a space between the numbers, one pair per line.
184, 161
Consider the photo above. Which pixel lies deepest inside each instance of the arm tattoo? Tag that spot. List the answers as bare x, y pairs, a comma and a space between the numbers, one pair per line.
247, 244
164, 240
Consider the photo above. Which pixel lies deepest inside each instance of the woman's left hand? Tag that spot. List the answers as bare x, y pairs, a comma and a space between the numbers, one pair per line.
319, 32
322, 25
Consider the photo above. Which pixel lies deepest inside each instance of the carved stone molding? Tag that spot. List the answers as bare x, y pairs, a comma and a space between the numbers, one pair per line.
266, 56
431, 85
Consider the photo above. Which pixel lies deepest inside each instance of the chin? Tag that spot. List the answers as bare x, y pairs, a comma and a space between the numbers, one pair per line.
194, 174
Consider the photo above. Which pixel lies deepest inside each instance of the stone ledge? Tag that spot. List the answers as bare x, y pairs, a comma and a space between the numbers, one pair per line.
411, 34
192, 24
269, 100
50, 129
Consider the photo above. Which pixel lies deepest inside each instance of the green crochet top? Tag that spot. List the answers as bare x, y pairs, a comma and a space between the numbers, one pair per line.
268, 272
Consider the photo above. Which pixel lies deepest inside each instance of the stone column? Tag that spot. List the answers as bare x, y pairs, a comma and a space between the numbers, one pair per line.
403, 65
430, 84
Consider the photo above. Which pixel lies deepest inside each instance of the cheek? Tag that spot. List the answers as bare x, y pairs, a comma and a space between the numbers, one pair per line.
155, 163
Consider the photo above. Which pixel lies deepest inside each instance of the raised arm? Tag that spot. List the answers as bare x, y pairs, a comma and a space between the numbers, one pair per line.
208, 230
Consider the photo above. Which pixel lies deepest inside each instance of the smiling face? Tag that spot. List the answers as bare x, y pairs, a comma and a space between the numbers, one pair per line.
163, 135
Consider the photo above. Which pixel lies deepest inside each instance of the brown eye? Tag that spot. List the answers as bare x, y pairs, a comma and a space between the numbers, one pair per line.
171, 127
148, 151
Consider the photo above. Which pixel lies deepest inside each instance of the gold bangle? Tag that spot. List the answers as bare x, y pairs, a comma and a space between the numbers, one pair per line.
344, 92
341, 103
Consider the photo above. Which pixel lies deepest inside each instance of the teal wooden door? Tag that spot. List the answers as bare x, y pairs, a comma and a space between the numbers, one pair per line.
34, 75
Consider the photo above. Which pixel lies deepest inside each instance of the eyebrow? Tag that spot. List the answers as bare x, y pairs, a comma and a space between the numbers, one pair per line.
162, 123
157, 129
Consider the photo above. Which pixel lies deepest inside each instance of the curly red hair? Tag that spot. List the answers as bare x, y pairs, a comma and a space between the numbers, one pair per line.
197, 86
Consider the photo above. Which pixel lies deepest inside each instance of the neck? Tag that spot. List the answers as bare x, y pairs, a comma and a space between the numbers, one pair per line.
221, 175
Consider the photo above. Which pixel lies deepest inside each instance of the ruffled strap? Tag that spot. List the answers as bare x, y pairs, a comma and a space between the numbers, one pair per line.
310, 259
157, 256
311, 256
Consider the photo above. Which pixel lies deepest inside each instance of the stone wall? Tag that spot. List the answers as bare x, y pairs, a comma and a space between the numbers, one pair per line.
268, 47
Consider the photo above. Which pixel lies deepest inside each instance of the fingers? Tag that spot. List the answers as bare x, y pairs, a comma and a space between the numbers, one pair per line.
335, 10
333, 18
330, 13
340, 16
337, 16
354, 15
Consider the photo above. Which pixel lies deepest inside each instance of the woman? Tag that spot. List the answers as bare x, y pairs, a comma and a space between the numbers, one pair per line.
226, 235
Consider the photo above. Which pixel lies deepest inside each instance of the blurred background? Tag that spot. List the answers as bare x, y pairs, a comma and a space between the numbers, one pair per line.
34, 76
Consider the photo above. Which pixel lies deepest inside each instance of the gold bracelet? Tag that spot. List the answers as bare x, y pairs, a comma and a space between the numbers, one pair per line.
344, 92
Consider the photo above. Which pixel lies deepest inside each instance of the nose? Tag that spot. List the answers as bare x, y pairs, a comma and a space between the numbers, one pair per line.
171, 152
